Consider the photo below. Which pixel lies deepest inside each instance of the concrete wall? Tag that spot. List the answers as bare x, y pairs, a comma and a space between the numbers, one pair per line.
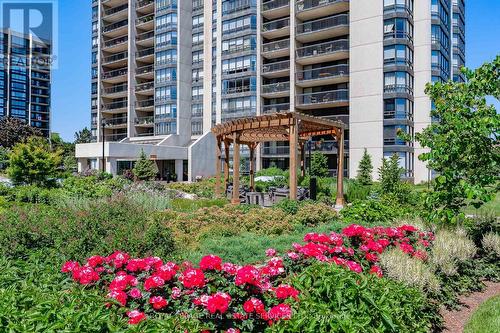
202, 157
366, 83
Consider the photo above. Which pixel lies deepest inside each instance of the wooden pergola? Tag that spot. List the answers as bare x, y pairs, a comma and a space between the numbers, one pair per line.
294, 127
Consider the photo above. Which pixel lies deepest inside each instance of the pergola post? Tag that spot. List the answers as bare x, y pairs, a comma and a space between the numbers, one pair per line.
227, 146
294, 142
218, 166
236, 170
339, 202
252, 147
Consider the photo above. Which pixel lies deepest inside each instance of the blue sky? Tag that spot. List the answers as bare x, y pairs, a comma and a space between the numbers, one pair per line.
71, 81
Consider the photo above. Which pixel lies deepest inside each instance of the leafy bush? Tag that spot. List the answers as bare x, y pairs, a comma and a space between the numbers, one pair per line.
312, 214
370, 211
450, 249
108, 224
333, 299
35, 194
491, 245
203, 189
94, 186
288, 206
319, 165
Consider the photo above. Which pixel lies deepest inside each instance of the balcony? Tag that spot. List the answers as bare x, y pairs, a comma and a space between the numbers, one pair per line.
115, 123
145, 39
145, 6
398, 89
145, 22
311, 9
115, 107
146, 55
397, 117
115, 137
144, 121
323, 52
323, 28
119, 44
277, 49
116, 60
145, 72
323, 76
146, 105
276, 69
116, 29
399, 9
145, 88
324, 99
236, 6
115, 91
115, 76
237, 90
276, 29
275, 8
275, 90
274, 108
116, 14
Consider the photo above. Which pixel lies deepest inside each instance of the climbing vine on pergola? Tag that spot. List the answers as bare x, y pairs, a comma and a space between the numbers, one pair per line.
294, 127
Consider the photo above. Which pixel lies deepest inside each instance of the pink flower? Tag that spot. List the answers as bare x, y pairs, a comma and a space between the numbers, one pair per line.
408, 228
137, 265
118, 259
270, 252
247, 275
406, 248
233, 330
313, 249
293, 255
229, 268
95, 261
167, 271
70, 266
354, 230
135, 317
135, 293
284, 291
254, 305
176, 293
371, 257
422, 255
218, 302
354, 266
193, 278
153, 281
119, 296
158, 302
376, 270
210, 262
85, 275
280, 311
274, 267
154, 262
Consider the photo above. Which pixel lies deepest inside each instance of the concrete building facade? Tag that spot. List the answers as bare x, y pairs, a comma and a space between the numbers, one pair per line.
25, 77
166, 71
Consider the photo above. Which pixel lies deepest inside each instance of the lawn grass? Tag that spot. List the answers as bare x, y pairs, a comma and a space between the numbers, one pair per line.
486, 318
489, 208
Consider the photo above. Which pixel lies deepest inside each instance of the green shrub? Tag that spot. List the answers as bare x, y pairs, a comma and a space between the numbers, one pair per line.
288, 206
187, 205
372, 211
94, 186
313, 214
450, 249
203, 189
334, 299
35, 194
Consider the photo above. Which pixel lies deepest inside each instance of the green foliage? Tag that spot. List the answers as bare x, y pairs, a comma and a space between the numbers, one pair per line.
203, 189
13, 131
272, 171
319, 164
312, 214
106, 225
390, 174
4, 158
33, 163
463, 142
145, 169
83, 136
371, 212
365, 169
95, 186
486, 319
288, 206
334, 299
70, 164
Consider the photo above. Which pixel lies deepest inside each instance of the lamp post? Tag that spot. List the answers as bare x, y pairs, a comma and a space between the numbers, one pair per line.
103, 168
309, 148
312, 180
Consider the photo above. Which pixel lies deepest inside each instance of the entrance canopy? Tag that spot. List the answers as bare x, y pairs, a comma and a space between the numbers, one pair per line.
294, 127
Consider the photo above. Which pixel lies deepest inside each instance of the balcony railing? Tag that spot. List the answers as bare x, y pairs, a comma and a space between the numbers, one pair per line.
144, 19
323, 24
144, 70
238, 48
237, 90
273, 108
275, 87
229, 7
144, 3
144, 120
323, 48
144, 53
276, 66
115, 26
116, 89
116, 41
115, 57
398, 115
115, 105
398, 8
398, 88
144, 36
144, 86
145, 104
398, 35
276, 24
276, 46
115, 73
274, 4
115, 10
114, 121
323, 73
311, 4
115, 137
324, 97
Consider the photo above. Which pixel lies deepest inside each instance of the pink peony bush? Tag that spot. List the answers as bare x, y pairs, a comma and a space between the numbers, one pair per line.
226, 297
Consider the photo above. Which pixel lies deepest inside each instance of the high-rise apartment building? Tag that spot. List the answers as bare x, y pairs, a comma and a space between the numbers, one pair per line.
25, 79
166, 71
